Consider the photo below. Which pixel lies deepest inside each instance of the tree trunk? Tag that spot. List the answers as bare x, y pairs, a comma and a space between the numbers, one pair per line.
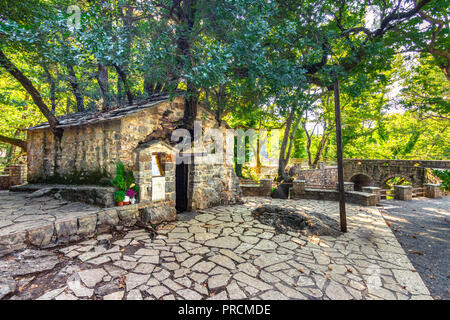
292, 137
15, 142
126, 85
308, 144
28, 85
282, 158
151, 87
186, 15
75, 87
52, 84
320, 150
287, 155
102, 79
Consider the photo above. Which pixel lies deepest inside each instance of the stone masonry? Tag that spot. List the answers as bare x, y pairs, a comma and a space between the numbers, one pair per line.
94, 143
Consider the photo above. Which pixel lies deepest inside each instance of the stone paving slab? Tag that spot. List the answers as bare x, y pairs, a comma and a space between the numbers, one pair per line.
46, 221
244, 260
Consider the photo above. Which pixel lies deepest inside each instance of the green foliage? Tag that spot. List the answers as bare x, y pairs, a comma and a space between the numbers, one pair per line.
425, 88
135, 188
77, 177
444, 176
251, 62
119, 196
119, 179
397, 181
124, 178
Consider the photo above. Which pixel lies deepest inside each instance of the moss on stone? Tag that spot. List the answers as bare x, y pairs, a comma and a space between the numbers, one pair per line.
98, 176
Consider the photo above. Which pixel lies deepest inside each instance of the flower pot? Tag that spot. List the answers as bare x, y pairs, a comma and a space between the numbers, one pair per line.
133, 200
126, 201
120, 204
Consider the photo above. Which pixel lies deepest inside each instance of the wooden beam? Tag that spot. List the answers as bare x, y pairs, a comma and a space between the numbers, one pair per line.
337, 110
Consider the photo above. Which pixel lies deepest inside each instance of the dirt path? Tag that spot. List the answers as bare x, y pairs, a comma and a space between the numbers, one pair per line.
422, 226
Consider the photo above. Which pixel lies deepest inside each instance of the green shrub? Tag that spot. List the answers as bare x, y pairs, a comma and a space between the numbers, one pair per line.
444, 175
124, 178
119, 196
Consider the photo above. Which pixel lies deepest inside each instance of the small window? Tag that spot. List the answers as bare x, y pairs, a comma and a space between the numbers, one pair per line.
157, 170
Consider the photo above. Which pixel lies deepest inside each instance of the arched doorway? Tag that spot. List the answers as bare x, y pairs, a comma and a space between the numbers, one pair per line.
361, 180
396, 181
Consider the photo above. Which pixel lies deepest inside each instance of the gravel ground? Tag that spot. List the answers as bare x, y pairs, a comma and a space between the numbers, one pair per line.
422, 226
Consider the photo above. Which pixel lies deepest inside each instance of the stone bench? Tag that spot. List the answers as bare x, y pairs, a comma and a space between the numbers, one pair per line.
264, 189
362, 198
95, 195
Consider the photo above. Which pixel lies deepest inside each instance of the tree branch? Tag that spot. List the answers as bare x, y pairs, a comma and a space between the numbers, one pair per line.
28, 85
15, 142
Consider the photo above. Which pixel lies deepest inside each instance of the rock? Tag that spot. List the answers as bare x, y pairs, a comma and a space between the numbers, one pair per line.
66, 227
220, 280
234, 292
79, 290
42, 235
336, 291
189, 294
273, 295
411, 280
158, 291
40, 193
134, 280
203, 266
223, 261
269, 259
255, 283
286, 220
92, 276
265, 245
128, 215
134, 295
28, 262
114, 296
87, 224
51, 294
248, 268
156, 215
108, 287
7, 286
282, 192
107, 219
223, 242
66, 296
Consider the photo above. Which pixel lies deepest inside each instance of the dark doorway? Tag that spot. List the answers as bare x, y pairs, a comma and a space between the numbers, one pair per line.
181, 190
361, 180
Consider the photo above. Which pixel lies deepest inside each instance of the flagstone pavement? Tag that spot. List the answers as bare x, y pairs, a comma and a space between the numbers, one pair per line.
224, 253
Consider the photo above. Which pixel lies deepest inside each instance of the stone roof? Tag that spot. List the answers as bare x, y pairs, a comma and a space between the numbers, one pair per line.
83, 118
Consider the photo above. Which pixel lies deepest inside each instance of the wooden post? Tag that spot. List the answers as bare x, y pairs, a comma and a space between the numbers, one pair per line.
337, 111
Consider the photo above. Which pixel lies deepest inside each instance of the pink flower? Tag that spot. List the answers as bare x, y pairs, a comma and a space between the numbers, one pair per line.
130, 193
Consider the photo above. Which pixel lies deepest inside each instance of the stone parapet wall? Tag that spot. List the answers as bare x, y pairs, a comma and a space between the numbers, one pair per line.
361, 198
94, 195
380, 171
13, 175
75, 222
73, 227
263, 189
325, 177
